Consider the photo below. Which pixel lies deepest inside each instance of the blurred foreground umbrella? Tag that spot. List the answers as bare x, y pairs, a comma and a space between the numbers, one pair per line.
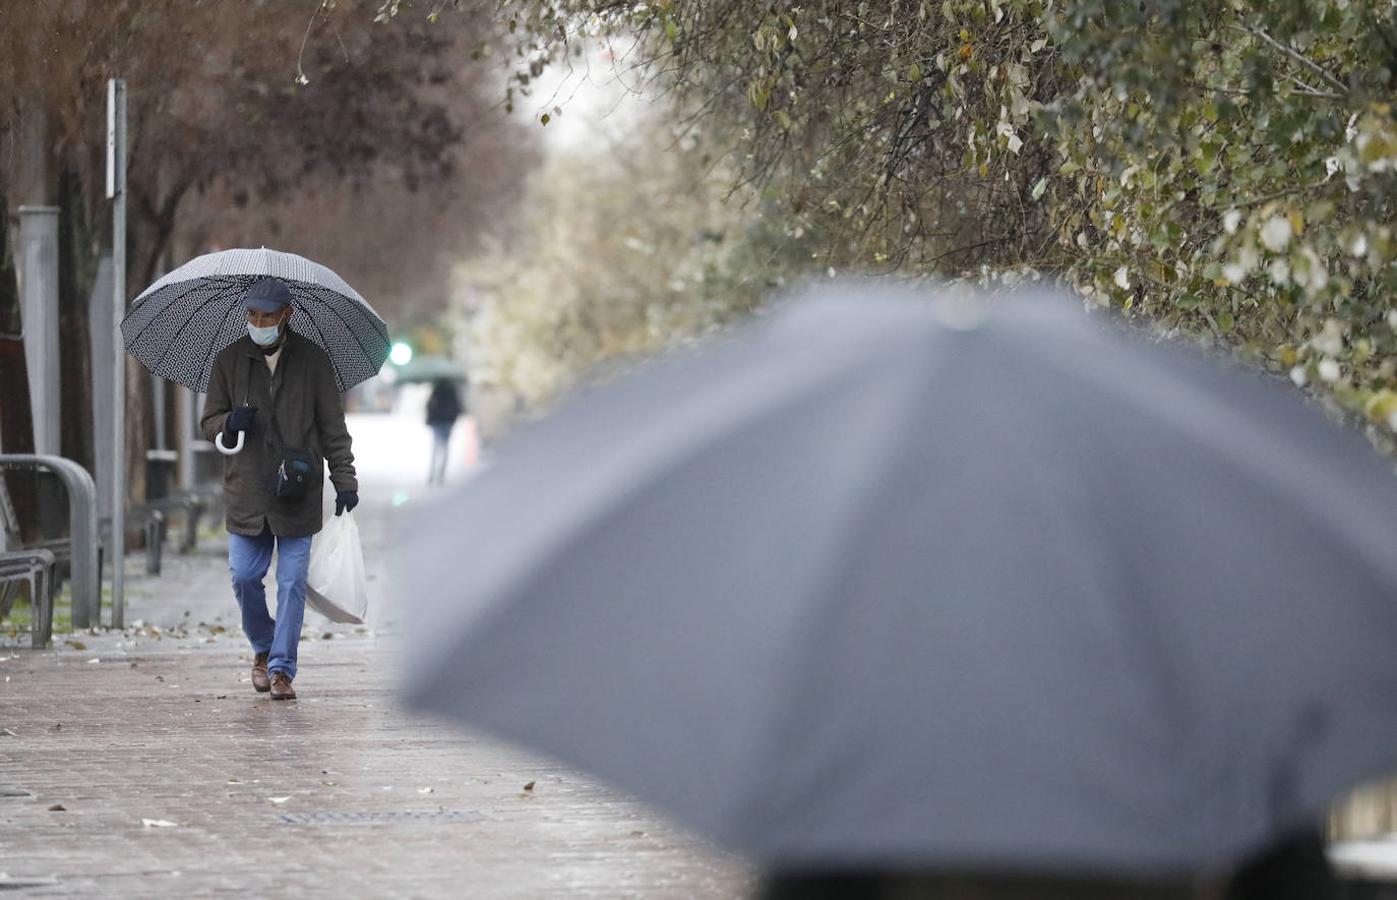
178, 325
428, 368
873, 584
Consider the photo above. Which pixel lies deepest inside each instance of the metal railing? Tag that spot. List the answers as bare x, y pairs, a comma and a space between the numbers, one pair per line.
82, 518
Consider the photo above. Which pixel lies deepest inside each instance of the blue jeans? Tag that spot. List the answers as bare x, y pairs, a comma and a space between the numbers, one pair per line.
248, 561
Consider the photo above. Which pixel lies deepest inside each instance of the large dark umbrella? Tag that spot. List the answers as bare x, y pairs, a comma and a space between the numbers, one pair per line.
178, 325
875, 583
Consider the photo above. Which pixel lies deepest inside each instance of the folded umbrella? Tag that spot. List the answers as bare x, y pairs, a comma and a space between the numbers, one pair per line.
875, 583
178, 325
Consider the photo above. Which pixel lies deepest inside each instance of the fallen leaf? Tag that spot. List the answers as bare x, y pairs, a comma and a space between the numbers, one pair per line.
76, 645
58, 807
220, 697
159, 823
327, 636
529, 786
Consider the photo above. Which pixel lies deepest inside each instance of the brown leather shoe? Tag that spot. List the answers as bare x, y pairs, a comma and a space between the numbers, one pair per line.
260, 683
281, 687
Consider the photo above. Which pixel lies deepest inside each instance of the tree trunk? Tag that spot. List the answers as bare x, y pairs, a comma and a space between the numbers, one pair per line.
29, 176
77, 266
27, 183
16, 422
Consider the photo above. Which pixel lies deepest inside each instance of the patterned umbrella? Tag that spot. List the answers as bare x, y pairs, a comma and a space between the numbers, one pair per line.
178, 325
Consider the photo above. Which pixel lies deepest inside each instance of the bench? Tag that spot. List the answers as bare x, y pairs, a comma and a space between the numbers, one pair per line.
154, 516
38, 569
77, 554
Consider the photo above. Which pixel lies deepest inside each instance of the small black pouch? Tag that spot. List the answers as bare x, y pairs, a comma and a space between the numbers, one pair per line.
297, 470
293, 476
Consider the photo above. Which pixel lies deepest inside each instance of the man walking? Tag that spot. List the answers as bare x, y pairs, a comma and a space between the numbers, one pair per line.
278, 389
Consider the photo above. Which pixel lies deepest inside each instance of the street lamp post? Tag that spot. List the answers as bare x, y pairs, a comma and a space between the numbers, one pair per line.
116, 191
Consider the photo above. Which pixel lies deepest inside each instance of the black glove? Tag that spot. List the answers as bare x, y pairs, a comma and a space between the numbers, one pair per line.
345, 501
240, 419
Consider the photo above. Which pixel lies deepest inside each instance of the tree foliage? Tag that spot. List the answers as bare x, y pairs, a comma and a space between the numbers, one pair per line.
615, 253
1224, 168
261, 99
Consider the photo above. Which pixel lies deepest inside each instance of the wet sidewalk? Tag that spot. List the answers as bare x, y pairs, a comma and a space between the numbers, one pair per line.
143, 762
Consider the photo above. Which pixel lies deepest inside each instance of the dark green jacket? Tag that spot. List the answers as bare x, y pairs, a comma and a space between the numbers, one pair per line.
310, 413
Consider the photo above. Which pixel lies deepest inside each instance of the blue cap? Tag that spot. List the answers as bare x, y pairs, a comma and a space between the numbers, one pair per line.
267, 295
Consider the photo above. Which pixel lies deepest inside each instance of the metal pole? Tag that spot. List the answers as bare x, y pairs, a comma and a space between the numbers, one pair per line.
38, 277
116, 190
187, 427
99, 313
157, 393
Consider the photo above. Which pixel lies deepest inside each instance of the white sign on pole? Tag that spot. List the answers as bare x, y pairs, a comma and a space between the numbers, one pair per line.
111, 138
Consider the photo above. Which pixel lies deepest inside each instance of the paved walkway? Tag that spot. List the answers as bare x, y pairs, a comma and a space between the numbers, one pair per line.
142, 762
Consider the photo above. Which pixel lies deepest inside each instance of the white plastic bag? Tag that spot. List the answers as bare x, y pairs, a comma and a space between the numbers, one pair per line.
335, 586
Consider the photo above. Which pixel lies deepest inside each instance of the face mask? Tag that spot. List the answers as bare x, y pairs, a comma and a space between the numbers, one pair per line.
264, 337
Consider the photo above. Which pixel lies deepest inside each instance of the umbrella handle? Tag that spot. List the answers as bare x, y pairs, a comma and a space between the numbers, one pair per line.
228, 451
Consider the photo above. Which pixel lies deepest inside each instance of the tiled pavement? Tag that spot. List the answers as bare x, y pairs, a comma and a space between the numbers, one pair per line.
143, 763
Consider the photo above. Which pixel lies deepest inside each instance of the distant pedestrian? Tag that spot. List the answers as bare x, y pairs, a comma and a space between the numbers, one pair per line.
443, 409
277, 388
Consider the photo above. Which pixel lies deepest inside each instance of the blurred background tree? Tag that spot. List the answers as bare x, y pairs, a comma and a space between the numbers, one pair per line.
305, 125
1221, 169
628, 240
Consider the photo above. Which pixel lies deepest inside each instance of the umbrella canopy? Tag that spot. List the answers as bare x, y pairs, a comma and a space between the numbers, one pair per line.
429, 367
873, 584
179, 324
